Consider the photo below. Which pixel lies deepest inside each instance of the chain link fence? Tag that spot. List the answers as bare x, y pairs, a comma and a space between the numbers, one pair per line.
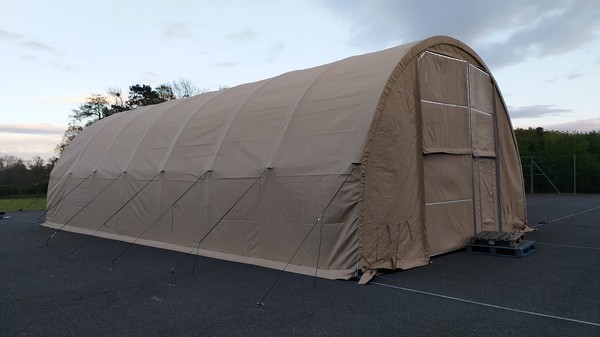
560, 174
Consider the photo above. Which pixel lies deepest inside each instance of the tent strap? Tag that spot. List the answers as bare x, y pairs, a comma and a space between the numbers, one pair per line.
319, 219
66, 195
82, 208
160, 216
197, 246
117, 211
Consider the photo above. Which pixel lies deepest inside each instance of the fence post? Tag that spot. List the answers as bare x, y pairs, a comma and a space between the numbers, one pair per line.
531, 172
574, 174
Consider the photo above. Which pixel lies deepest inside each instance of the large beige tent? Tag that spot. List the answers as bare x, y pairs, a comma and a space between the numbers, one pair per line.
375, 161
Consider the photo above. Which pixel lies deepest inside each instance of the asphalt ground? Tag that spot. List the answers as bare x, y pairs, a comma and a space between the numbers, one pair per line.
555, 291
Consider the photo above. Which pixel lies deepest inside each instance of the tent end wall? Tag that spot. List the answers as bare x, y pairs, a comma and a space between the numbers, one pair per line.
384, 233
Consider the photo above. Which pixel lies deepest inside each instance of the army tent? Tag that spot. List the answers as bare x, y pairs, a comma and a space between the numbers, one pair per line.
377, 161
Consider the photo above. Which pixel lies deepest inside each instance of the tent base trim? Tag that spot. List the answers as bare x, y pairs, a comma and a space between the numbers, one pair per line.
334, 274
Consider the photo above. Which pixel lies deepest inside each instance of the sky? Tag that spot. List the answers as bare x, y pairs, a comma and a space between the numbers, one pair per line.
544, 54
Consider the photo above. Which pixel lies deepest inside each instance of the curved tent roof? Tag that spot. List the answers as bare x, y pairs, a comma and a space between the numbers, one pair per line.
252, 168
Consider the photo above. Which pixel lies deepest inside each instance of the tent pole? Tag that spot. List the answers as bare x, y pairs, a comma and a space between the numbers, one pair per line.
497, 161
470, 112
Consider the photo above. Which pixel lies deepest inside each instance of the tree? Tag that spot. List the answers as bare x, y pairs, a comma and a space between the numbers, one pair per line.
165, 92
23, 177
142, 95
118, 105
94, 108
97, 106
184, 88
115, 93
37, 167
70, 133
12, 171
560, 155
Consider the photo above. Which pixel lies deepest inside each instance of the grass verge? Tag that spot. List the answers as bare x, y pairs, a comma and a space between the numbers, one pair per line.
11, 204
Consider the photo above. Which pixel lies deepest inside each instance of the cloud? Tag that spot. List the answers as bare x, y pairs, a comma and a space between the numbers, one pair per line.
583, 125
558, 29
6, 35
26, 146
275, 48
230, 64
569, 76
150, 77
535, 111
25, 43
243, 36
54, 64
503, 32
28, 57
32, 129
60, 66
407, 20
28, 140
176, 30
573, 76
37, 46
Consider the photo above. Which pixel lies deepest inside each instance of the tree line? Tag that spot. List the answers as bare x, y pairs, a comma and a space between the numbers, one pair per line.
20, 177
567, 161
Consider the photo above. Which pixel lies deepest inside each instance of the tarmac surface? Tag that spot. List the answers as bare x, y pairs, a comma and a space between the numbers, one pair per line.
555, 291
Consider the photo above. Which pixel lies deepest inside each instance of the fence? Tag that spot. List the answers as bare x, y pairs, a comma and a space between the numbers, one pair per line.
560, 174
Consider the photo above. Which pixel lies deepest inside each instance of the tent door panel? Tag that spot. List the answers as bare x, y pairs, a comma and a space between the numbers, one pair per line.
448, 201
486, 208
459, 150
483, 145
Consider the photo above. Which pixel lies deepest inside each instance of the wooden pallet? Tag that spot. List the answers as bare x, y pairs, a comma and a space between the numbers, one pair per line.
524, 248
497, 239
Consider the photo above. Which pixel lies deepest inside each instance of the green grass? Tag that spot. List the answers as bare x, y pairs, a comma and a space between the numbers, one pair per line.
11, 204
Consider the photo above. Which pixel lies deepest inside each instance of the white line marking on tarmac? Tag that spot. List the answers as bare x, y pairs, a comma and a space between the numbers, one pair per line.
567, 216
567, 246
486, 304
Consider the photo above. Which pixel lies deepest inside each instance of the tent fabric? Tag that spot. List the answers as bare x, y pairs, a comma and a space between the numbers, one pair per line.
416, 138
